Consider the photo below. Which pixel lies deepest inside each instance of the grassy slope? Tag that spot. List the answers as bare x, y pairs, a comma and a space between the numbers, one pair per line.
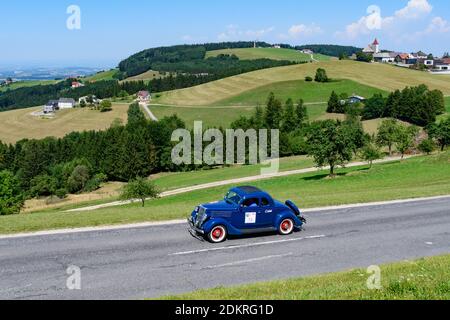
216, 117
102, 76
21, 84
424, 279
380, 76
268, 53
423, 176
300, 89
20, 124
146, 76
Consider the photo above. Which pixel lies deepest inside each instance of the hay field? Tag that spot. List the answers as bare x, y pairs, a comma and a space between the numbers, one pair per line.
20, 124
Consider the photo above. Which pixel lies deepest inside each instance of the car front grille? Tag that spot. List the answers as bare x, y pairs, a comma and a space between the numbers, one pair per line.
200, 217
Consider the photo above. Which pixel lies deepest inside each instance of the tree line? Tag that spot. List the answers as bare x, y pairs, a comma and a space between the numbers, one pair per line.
416, 105
180, 56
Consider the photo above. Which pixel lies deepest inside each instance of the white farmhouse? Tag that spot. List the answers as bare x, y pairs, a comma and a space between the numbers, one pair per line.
66, 103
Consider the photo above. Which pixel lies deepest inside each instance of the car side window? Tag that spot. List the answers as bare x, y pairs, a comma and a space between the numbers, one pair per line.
265, 202
250, 203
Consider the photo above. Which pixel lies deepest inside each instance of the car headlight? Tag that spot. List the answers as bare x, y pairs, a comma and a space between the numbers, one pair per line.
197, 209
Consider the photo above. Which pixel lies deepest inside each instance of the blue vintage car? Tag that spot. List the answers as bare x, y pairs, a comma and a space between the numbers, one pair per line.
244, 210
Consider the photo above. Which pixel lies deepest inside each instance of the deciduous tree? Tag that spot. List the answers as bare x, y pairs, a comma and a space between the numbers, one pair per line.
141, 189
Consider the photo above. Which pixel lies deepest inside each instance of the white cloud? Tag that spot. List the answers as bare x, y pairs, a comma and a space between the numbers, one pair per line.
375, 21
414, 9
437, 25
233, 32
302, 30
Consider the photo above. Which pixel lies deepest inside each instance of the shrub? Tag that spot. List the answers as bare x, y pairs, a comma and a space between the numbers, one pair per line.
308, 79
105, 106
95, 183
427, 146
61, 193
321, 75
78, 179
43, 186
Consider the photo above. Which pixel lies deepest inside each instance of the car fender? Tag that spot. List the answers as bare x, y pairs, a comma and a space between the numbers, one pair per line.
288, 214
211, 224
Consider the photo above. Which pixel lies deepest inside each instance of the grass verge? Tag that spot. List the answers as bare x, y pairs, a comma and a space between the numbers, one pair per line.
424, 279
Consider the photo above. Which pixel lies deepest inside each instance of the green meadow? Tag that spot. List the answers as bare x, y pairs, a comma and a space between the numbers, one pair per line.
311, 92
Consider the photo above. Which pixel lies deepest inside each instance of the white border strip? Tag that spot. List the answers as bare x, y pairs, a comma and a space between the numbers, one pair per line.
175, 222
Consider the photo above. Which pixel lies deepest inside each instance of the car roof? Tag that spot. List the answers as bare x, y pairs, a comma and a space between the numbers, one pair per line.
248, 191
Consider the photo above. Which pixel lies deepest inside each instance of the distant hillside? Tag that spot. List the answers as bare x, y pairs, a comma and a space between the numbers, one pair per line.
267, 53
330, 49
181, 58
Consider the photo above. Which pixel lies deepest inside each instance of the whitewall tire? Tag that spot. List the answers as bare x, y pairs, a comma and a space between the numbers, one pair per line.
218, 234
286, 227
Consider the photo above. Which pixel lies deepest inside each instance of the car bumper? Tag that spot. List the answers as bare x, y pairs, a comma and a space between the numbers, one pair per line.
194, 231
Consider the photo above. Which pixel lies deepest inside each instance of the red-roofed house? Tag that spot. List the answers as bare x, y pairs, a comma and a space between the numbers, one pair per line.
144, 96
77, 84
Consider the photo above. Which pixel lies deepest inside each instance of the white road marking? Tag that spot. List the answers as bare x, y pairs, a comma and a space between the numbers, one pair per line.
244, 246
248, 261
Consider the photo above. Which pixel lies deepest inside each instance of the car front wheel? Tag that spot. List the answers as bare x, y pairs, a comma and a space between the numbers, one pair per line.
286, 227
217, 234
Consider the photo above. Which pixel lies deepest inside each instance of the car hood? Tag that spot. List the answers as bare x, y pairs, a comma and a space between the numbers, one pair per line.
219, 206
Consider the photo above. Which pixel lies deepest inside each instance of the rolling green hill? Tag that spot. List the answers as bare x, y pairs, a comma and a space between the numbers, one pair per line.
267, 53
312, 92
384, 77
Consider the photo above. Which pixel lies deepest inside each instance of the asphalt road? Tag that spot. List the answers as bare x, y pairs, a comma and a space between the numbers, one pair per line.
156, 261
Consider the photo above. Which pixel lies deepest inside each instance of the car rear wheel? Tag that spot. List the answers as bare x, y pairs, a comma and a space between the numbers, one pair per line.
217, 234
286, 227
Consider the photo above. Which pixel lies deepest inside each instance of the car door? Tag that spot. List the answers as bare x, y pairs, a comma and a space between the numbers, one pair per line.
267, 214
247, 217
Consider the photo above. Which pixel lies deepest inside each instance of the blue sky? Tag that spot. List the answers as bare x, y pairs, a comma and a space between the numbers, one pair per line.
35, 32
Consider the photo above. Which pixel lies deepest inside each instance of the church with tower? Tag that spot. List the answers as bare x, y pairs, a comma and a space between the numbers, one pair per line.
373, 48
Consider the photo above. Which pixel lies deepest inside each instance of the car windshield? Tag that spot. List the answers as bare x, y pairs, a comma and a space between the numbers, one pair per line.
232, 197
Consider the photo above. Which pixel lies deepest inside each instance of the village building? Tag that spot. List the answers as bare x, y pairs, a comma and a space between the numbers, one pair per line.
77, 84
373, 48
66, 103
356, 99
144, 96
384, 57
307, 51
51, 106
